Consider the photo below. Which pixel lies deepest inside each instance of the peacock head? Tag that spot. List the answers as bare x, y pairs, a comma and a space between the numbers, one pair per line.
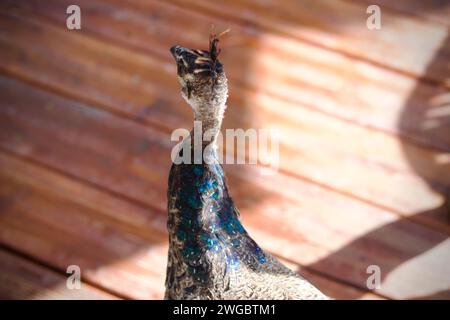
201, 76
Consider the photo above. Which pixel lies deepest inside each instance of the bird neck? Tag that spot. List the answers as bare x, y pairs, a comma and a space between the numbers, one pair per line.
207, 122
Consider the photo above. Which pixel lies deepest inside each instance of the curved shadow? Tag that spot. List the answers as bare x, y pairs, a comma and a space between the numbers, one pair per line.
429, 125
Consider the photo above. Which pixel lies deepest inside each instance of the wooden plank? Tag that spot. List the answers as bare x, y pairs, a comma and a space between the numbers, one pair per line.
332, 289
43, 219
367, 164
285, 68
436, 10
55, 184
43, 190
22, 279
405, 43
326, 231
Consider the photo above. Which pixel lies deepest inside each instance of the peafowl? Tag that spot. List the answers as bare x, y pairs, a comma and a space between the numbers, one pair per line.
211, 256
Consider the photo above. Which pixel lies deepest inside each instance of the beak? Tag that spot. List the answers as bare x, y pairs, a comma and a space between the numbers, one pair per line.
177, 51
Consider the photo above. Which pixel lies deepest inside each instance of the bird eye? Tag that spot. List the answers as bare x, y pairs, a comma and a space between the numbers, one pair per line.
180, 59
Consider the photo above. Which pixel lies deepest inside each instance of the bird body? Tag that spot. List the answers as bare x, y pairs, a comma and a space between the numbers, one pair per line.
211, 255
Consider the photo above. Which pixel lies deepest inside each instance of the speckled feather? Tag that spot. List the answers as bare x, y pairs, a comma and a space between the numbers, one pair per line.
211, 255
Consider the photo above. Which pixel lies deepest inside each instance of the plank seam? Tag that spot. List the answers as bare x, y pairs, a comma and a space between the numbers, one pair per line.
334, 279
238, 20
56, 269
404, 12
146, 124
146, 206
50, 267
129, 47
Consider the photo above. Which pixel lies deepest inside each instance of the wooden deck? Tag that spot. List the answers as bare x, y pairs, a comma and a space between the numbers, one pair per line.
86, 117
